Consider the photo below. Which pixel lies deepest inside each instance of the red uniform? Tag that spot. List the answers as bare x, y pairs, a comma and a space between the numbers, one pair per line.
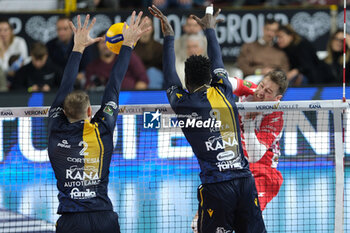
260, 139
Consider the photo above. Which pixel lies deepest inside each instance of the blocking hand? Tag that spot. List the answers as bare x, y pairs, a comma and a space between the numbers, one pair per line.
166, 27
209, 20
82, 38
135, 30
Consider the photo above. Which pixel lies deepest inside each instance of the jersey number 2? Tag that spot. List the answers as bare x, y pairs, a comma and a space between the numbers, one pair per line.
82, 152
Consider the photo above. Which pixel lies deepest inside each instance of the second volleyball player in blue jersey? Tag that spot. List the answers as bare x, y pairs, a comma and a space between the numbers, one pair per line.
228, 200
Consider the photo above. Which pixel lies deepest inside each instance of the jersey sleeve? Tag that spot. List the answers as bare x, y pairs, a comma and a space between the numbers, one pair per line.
169, 70
67, 83
261, 140
218, 72
242, 87
110, 101
175, 95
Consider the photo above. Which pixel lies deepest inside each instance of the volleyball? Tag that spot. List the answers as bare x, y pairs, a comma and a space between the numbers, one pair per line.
114, 37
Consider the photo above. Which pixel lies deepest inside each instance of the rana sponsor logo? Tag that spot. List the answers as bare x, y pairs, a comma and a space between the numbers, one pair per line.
6, 113
315, 105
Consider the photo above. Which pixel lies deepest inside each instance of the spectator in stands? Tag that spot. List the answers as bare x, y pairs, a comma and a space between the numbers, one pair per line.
97, 4
151, 54
305, 65
191, 27
3, 81
97, 72
261, 57
10, 45
40, 74
164, 4
335, 57
60, 47
195, 45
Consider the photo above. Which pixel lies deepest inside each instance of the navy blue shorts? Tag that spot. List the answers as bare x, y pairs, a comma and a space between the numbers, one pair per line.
230, 206
88, 222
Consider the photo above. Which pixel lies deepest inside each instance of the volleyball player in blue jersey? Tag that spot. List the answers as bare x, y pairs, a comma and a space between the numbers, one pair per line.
228, 200
81, 146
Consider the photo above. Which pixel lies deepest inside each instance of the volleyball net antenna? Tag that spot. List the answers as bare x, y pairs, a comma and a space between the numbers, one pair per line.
154, 174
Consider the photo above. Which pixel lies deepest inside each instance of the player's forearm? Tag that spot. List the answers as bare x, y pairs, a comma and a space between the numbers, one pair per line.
118, 72
169, 69
69, 76
214, 51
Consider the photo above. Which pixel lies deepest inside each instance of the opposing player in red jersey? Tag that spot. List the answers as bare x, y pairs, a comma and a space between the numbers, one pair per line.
261, 132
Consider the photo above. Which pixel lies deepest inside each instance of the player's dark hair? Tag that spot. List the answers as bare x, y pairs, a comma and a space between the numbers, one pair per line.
280, 78
5, 20
76, 104
197, 71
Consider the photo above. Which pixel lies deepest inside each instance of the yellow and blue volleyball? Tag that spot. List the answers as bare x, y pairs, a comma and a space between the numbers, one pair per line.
114, 37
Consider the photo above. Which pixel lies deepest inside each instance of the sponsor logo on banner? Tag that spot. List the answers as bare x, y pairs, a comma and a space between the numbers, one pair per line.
161, 109
277, 106
315, 105
77, 194
122, 109
240, 107
129, 109
6, 113
36, 112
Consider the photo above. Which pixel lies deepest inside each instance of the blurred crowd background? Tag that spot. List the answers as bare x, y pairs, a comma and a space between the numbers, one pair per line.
37, 65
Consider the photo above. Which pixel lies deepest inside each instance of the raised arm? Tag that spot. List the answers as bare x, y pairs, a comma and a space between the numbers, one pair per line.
131, 35
208, 23
170, 75
82, 40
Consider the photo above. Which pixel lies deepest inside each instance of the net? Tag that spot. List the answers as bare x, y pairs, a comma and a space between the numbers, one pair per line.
154, 174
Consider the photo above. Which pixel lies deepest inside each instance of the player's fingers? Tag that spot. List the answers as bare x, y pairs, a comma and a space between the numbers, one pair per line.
144, 23
198, 20
145, 30
217, 12
86, 21
151, 10
138, 19
72, 27
92, 24
124, 27
157, 11
132, 20
97, 39
219, 21
78, 22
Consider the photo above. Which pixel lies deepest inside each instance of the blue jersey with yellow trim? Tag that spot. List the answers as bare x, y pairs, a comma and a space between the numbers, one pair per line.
80, 152
217, 148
